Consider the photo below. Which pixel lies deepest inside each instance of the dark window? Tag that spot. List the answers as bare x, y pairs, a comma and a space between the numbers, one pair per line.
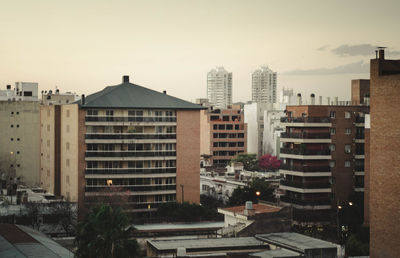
28, 93
225, 118
236, 127
215, 127
229, 127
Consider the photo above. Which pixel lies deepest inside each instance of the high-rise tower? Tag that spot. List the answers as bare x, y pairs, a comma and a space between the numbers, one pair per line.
219, 87
264, 85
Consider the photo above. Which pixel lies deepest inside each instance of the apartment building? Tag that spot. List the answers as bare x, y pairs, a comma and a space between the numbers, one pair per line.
129, 144
384, 169
19, 126
323, 158
219, 87
224, 134
264, 85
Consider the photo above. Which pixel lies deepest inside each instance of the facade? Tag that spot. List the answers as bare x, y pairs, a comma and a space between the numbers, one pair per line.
254, 118
20, 129
384, 205
227, 135
219, 88
129, 145
323, 158
264, 85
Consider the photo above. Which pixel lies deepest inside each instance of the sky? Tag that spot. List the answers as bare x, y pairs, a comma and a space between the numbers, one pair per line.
83, 46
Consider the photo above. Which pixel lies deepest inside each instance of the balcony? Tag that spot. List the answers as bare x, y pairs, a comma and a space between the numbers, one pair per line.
133, 188
305, 202
306, 137
309, 185
360, 120
305, 171
118, 154
124, 171
306, 121
130, 136
305, 154
130, 119
359, 168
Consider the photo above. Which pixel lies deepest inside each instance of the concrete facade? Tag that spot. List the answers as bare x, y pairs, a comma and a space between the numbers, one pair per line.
219, 87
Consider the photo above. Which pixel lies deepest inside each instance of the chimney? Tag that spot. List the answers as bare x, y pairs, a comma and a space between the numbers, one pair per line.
83, 99
248, 210
8, 87
336, 101
381, 53
165, 92
320, 100
312, 98
125, 79
329, 100
298, 98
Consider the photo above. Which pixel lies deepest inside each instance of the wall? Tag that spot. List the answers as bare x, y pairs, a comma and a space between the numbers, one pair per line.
384, 166
188, 155
47, 142
20, 121
205, 137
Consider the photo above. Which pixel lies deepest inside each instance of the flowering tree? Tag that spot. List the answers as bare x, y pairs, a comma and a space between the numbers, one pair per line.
269, 162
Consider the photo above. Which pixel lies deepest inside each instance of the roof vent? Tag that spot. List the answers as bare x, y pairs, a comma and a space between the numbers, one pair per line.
8, 87
125, 79
83, 99
165, 92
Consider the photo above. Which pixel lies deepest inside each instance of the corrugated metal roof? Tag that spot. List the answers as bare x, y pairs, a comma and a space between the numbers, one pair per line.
21, 241
128, 95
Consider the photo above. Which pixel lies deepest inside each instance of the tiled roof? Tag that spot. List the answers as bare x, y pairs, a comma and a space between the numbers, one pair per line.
128, 95
258, 208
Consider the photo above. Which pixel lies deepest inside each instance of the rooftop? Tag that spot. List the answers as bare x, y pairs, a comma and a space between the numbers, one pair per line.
295, 241
258, 208
276, 253
128, 95
19, 241
179, 226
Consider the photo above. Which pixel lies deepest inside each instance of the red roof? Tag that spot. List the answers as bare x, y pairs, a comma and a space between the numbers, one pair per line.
258, 208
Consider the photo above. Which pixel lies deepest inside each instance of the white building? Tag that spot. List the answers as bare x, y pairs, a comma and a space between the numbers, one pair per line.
219, 87
23, 91
254, 117
264, 85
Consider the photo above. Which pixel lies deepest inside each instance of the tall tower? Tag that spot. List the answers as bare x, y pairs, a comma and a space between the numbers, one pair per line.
264, 85
219, 87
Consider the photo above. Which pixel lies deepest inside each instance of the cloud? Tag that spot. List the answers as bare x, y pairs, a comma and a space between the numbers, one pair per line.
323, 48
357, 67
360, 50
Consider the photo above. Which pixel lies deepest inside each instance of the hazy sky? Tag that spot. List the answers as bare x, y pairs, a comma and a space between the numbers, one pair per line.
83, 46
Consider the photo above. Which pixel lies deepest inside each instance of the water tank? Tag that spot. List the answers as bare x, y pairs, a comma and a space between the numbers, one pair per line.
249, 205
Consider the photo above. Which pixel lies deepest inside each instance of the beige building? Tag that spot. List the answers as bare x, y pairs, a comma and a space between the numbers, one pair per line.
19, 126
125, 144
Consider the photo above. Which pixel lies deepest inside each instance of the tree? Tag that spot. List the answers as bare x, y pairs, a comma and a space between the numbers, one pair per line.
105, 233
66, 213
269, 162
358, 244
248, 160
258, 189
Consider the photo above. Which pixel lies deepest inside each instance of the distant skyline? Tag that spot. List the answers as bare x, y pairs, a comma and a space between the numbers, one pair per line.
84, 46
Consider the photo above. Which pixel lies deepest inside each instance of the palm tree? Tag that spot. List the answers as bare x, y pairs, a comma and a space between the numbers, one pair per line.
105, 233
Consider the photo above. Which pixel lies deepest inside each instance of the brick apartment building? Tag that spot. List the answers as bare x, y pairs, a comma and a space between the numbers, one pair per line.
384, 168
323, 158
128, 142
224, 134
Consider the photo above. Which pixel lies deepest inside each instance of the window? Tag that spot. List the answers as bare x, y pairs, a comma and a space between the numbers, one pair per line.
332, 147
48, 143
158, 198
67, 145
347, 163
332, 114
48, 128
12, 126
347, 114
347, 148
332, 163
236, 127
92, 112
67, 112
67, 162
48, 172
67, 179
333, 131
215, 127
157, 181
348, 131
67, 128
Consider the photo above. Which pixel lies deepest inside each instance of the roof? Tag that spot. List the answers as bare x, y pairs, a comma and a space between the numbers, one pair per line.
180, 226
259, 208
295, 241
19, 241
283, 253
128, 95
207, 243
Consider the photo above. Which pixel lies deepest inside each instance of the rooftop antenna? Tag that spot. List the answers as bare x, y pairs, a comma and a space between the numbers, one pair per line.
380, 52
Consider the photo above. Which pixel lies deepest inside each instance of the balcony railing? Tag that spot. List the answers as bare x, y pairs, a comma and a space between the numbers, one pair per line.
360, 119
360, 136
306, 135
128, 136
130, 153
305, 152
132, 188
305, 202
359, 168
306, 185
305, 120
107, 171
307, 168
130, 119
